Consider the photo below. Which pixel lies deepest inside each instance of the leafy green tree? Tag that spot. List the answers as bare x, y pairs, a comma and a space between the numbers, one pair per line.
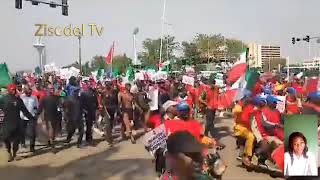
98, 62
191, 52
150, 55
121, 62
234, 48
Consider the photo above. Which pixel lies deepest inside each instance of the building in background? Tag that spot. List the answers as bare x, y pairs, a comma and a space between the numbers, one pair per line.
266, 57
254, 55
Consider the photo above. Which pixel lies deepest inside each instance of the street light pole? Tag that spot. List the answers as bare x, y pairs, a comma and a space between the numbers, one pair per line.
162, 24
79, 37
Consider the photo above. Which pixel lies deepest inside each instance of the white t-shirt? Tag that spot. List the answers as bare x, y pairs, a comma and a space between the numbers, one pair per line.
301, 166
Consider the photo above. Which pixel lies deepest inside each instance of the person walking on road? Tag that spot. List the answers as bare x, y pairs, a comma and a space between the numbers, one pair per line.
11, 106
31, 103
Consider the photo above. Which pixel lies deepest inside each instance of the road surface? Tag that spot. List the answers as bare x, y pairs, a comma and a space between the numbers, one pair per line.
124, 161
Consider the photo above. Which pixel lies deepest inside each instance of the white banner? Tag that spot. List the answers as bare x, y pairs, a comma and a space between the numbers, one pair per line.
281, 105
188, 80
219, 82
50, 68
153, 95
156, 138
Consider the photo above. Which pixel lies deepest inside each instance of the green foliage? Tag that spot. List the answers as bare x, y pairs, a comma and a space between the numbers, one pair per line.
98, 62
150, 55
121, 62
234, 48
211, 48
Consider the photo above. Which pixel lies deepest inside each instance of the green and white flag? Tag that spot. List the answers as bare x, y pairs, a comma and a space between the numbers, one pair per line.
246, 83
5, 78
164, 66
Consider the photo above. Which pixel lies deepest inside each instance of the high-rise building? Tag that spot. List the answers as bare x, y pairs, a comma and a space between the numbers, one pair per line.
262, 55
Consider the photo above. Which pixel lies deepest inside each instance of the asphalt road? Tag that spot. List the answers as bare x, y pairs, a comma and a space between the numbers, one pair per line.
124, 161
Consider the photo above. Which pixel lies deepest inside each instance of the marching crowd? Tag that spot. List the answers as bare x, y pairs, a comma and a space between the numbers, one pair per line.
78, 103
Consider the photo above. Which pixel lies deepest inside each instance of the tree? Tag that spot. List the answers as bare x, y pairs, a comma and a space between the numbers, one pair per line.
121, 62
98, 62
86, 69
151, 50
191, 52
234, 48
211, 48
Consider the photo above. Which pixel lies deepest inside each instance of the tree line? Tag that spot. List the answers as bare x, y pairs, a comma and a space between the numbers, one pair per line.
202, 49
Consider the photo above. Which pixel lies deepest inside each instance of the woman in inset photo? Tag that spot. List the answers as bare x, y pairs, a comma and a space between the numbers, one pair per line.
298, 160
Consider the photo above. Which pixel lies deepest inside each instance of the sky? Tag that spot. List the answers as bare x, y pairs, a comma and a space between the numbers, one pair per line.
271, 22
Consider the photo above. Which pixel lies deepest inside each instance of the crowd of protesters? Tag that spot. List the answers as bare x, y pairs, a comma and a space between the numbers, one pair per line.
78, 103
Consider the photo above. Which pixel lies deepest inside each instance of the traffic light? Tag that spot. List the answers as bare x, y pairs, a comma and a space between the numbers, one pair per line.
36, 3
293, 40
65, 7
308, 38
53, 4
19, 4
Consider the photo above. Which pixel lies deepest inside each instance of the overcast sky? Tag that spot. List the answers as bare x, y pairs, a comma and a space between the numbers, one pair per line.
266, 22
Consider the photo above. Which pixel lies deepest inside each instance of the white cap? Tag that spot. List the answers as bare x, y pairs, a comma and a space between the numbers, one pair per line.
167, 104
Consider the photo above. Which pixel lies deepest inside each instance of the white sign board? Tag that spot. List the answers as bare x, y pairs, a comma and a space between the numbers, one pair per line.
188, 80
281, 105
50, 68
156, 138
153, 95
219, 82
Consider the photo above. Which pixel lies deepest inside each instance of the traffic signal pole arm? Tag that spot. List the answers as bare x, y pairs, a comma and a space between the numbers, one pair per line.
49, 3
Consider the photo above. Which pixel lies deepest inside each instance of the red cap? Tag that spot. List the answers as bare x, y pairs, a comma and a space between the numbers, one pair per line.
12, 86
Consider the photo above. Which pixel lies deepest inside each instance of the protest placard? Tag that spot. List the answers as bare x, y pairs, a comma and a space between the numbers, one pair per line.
156, 138
153, 95
188, 80
281, 105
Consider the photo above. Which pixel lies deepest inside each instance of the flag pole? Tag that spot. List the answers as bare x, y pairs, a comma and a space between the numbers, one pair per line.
162, 26
112, 52
288, 69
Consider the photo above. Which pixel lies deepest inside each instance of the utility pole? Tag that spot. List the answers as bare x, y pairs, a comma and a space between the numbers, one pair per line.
79, 37
162, 26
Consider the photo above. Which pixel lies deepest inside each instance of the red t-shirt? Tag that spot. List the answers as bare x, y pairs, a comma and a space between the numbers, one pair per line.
173, 126
292, 105
155, 120
272, 115
39, 94
194, 127
258, 117
212, 98
246, 114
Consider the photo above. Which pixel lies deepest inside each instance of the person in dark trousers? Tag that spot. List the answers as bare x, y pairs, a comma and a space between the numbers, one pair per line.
110, 103
31, 103
12, 106
89, 98
73, 110
208, 98
49, 105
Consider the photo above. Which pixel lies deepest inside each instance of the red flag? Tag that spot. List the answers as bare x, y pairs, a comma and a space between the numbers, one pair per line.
236, 72
226, 100
110, 55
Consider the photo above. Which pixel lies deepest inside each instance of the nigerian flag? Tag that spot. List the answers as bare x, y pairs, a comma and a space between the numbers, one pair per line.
130, 73
5, 78
100, 74
246, 83
164, 66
